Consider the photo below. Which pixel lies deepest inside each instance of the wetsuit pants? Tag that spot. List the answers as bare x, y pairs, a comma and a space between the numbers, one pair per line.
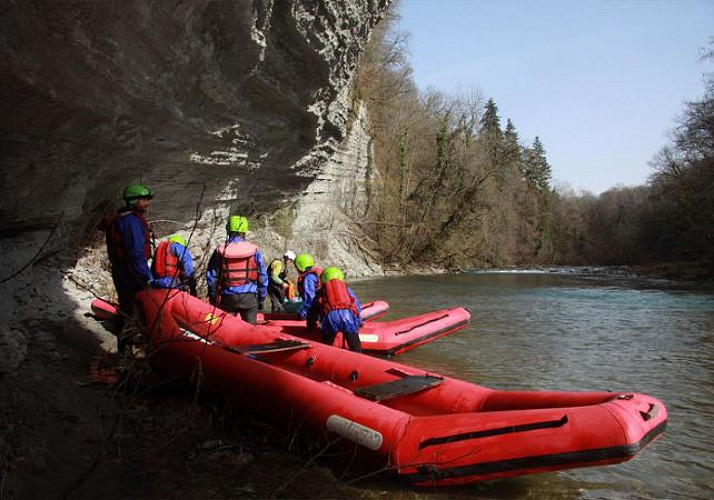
343, 321
245, 304
277, 296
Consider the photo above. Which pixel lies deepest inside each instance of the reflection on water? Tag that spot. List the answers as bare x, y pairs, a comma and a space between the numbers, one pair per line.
559, 331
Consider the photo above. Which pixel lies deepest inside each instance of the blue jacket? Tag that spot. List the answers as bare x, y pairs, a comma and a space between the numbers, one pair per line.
308, 294
338, 320
134, 273
185, 262
213, 276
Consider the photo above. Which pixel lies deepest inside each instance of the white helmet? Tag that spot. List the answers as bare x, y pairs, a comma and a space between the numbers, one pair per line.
289, 255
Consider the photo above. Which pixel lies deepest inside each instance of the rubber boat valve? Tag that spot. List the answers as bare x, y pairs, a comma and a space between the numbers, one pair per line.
354, 376
310, 361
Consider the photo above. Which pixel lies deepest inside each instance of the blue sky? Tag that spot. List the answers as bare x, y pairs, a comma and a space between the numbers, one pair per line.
601, 82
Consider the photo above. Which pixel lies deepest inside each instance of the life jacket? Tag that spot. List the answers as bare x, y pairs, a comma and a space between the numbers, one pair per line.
115, 244
301, 279
335, 296
238, 264
165, 263
291, 293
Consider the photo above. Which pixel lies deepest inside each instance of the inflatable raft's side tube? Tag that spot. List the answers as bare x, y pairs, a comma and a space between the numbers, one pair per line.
104, 309
370, 311
432, 429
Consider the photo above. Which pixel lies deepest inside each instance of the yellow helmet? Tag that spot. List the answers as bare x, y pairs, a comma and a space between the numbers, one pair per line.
331, 273
304, 261
237, 224
177, 238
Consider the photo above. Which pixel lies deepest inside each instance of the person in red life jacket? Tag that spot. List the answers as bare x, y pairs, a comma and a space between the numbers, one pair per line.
338, 309
308, 282
237, 278
278, 282
129, 248
172, 265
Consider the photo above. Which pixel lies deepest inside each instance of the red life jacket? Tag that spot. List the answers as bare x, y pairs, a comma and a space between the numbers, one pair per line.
115, 244
165, 263
301, 279
335, 296
238, 264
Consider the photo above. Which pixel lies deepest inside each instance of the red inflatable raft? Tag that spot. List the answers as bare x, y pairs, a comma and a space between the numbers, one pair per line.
387, 338
104, 309
428, 428
370, 311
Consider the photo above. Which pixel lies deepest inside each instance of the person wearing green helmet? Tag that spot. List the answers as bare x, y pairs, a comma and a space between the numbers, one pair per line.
308, 282
236, 276
134, 193
128, 240
172, 265
338, 309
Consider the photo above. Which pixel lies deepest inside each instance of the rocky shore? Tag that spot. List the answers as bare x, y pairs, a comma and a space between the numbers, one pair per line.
80, 423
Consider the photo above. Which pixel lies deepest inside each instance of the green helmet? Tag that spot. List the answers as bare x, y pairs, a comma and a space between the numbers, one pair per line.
304, 261
237, 224
331, 273
134, 192
177, 238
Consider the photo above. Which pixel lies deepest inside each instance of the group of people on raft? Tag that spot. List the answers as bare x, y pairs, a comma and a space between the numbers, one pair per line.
238, 281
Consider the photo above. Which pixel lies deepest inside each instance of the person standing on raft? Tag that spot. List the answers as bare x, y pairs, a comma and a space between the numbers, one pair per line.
338, 309
237, 278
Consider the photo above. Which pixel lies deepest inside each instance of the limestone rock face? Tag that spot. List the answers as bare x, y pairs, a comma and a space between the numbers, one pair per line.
218, 106
243, 101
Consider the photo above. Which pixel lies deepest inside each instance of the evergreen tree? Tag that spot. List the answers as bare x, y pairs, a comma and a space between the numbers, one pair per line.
490, 121
403, 149
512, 150
537, 169
491, 137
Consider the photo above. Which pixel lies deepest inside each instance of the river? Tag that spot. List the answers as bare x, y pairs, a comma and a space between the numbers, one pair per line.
571, 331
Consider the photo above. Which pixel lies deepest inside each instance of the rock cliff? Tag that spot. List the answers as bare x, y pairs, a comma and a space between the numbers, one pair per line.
249, 99
219, 106
240, 106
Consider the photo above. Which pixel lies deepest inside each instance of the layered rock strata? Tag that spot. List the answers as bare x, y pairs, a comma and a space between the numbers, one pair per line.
242, 106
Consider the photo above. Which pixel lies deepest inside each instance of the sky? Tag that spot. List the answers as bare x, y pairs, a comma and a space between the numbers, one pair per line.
600, 82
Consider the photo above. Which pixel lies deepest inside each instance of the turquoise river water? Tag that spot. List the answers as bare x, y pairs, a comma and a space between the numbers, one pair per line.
570, 331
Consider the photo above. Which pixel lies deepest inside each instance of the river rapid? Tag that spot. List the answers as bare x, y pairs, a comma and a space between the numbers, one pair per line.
562, 330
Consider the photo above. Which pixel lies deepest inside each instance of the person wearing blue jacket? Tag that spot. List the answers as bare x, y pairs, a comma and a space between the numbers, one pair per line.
338, 310
237, 278
129, 247
172, 266
308, 282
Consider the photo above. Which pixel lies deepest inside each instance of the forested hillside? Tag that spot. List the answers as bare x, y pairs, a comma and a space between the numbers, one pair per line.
457, 187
